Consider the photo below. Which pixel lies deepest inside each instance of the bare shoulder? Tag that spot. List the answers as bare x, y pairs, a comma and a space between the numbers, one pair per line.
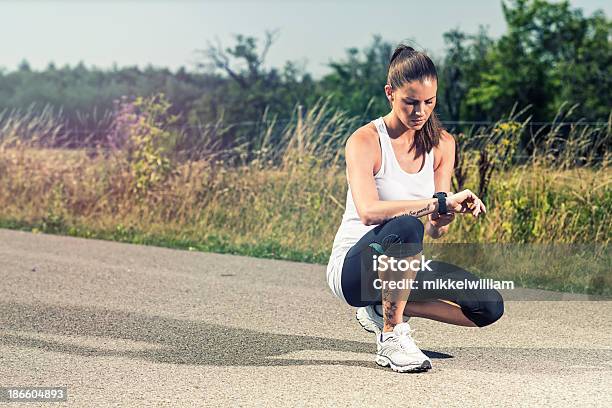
447, 139
362, 149
447, 143
445, 151
366, 137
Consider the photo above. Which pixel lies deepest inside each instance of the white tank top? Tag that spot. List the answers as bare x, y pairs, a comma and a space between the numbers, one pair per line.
392, 183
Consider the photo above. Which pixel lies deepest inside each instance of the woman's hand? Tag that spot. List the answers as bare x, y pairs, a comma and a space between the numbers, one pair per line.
465, 202
437, 225
441, 220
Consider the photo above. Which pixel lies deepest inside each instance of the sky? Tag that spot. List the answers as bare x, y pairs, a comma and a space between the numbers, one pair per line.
169, 33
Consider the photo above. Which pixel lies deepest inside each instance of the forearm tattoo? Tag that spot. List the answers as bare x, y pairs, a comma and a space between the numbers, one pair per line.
418, 213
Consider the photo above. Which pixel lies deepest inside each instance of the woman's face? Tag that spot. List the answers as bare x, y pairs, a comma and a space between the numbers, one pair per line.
414, 102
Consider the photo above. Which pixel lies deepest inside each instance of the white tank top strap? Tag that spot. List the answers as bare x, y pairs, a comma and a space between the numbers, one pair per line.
384, 146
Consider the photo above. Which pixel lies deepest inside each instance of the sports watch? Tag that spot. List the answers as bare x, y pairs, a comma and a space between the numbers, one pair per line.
441, 196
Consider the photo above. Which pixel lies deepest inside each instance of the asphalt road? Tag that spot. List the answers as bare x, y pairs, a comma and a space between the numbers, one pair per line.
131, 325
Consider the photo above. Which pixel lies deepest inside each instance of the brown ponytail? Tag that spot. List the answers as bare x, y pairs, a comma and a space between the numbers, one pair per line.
407, 65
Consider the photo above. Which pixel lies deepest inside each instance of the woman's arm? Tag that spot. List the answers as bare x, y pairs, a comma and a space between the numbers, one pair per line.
436, 227
361, 154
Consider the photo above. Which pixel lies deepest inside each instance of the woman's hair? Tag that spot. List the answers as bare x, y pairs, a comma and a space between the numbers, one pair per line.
407, 65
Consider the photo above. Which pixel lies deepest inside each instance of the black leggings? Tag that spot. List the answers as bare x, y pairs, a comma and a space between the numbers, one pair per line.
401, 237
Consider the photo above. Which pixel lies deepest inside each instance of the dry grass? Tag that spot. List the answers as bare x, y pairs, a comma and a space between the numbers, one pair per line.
286, 201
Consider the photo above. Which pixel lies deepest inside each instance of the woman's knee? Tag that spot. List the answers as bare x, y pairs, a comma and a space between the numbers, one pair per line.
409, 228
401, 236
492, 309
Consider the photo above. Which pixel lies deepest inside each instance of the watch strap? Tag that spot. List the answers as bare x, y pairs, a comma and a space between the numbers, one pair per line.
441, 196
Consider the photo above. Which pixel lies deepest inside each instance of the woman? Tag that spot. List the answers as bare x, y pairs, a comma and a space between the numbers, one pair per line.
398, 169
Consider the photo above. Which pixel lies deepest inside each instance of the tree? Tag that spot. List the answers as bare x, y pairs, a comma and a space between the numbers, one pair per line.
252, 88
464, 62
357, 82
586, 71
549, 49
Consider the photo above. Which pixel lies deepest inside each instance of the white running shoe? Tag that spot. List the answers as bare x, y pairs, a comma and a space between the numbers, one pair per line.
400, 352
370, 320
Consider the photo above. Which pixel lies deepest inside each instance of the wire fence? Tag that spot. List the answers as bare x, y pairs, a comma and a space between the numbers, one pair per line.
81, 131
93, 141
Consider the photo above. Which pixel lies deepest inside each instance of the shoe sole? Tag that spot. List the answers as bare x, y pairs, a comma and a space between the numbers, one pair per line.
367, 323
385, 362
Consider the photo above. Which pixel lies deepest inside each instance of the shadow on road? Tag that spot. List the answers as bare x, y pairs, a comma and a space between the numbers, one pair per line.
179, 341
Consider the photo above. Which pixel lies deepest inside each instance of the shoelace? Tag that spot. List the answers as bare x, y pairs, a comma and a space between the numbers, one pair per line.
406, 341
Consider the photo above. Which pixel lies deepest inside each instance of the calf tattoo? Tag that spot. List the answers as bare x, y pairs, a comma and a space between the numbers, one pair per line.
389, 305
